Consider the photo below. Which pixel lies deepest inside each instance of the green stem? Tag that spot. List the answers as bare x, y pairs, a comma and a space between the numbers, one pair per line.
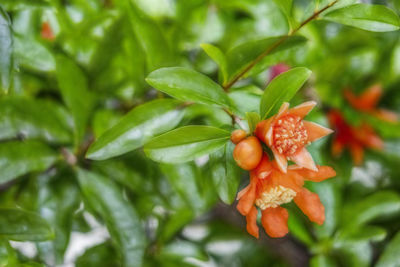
275, 45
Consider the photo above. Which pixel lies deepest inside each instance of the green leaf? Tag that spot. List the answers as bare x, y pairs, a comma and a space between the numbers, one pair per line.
365, 233
185, 179
100, 255
32, 54
219, 57
377, 18
241, 56
136, 128
322, 261
186, 143
74, 90
253, 118
152, 39
8, 256
225, 173
59, 197
19, 225
286, 7
32, 118
377, 205
390, 256
120, 216
188, 85
5, 51
246, 99
19, 158
282, 89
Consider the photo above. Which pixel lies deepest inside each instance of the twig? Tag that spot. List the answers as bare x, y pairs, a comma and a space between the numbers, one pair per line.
275, 45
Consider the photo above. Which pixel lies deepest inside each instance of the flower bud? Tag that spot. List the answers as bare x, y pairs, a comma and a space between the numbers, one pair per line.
248, 153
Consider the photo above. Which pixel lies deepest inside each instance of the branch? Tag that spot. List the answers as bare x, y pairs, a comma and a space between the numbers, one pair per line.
275, 45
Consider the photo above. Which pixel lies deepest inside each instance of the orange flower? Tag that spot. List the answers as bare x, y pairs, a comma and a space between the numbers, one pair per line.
353, 138
47, 32
270, 187
368, 101
287, 134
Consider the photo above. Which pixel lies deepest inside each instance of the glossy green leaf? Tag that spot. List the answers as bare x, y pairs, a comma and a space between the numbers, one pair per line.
32, 54
59, 197
100, 255
136, 128
188, 85
241, 56
376, 18
74, 90
186, 143
225, 173
19, 158
390, 256
282, 89
364, 233
253, 118
219, 57
119, 215
286, 7
378, 205
19, 225
152, 39
322, 261
6, 51
32, 118
185, 179
246, 99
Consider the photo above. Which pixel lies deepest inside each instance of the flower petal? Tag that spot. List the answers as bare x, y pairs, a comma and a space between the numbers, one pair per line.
315, 131
337, 147
274, 221
323, 173
280, 160
311, 206
386, 115
262, 129
251, 220
247, 199
357, 153
282, 110
303, 158
303, 109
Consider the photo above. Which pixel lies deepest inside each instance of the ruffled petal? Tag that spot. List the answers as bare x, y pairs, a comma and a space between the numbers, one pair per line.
323, 173
274, 221
280, 160
303, 109
290, 180
282, 110
357, 153
263, 169
303, 159
386, 115
247, 199
251, 220
315, 131
337, 147
311, 206
262, 129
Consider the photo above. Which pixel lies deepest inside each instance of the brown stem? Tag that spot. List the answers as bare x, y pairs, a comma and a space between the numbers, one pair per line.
274, 46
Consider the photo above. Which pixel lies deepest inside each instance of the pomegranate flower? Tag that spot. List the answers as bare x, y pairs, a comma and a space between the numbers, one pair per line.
367, 102
277, 69
353, 138
270, 187
287, 134
47, 32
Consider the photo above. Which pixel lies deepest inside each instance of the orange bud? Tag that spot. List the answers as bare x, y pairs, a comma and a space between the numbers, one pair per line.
238, 135
248, 153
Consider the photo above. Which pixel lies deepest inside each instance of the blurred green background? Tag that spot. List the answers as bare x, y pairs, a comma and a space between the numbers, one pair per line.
71, 69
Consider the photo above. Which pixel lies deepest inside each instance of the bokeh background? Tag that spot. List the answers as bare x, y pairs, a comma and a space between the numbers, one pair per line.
71, 211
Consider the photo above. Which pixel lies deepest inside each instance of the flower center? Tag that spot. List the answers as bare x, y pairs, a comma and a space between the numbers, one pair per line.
275, 197
289, 134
